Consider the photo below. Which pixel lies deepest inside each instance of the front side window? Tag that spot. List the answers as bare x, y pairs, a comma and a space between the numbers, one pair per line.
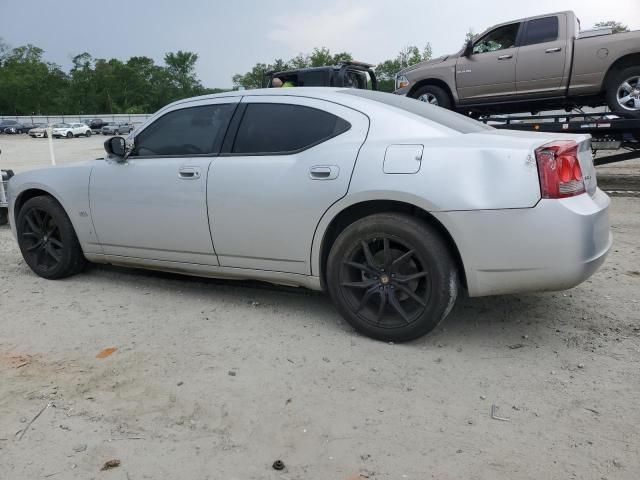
188, 131
274, 128
498, 39
541, 30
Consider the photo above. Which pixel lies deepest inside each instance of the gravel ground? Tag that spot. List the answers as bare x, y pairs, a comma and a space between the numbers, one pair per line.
216, 380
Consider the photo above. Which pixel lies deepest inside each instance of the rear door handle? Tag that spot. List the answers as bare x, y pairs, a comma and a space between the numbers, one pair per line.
553, 50
505, 57
324, 172
189, 173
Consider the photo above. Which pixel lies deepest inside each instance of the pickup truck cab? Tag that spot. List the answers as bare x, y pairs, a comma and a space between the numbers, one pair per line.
535, 63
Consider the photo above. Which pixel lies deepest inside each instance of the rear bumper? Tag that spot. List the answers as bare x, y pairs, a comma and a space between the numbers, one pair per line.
554, 246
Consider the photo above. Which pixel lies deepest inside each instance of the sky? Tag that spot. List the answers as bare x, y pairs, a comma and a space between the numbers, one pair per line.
231, 37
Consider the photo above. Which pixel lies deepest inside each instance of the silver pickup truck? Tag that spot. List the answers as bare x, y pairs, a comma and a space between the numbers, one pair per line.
533, 64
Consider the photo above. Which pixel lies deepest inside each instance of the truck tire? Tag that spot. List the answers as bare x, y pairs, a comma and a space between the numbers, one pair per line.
623, 92
434, 95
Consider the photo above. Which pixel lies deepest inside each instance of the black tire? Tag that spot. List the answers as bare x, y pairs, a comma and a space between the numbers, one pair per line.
4, 219
116, 132
409, 297
47, 239
69, 135
440, 95
614, 83
88, 134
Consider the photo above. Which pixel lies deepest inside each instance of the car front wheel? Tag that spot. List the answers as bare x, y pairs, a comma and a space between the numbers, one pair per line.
392, 277
69, 135
47, 239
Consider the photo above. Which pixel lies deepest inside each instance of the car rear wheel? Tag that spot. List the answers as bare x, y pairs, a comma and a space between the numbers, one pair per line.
434, 95
623, 92
69, 135
47, 239
392, 277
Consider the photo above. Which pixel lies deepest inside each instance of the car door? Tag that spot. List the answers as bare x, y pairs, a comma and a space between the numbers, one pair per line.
78, 129
153, 205
490, 70
542, 56
289, 161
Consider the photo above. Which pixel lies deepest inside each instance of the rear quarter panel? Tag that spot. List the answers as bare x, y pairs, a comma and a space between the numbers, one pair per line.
594, 56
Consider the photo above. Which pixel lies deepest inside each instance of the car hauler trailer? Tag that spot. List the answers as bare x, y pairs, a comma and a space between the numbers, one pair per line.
609, 131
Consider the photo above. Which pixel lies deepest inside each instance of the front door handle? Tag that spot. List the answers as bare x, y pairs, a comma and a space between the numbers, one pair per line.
324, 172
505, 57
553, 50
189, 173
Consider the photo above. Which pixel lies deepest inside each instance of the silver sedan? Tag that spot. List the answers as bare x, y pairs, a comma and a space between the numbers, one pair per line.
390, 205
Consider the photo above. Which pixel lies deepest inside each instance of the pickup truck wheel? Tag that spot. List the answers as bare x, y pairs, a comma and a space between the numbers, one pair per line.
392, 277
434, 95
623, 91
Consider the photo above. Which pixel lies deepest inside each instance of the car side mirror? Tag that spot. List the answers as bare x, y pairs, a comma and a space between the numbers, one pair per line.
468, 49
116, 147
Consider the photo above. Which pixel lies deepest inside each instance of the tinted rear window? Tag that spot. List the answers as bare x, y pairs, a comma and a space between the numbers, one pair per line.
439, 115
283, 128
541, 30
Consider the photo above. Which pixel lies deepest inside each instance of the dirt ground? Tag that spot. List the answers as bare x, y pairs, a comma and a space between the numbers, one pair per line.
217, 380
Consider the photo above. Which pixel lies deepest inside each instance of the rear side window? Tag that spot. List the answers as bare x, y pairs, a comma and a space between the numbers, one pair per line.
184, 132
541, 30
280, 128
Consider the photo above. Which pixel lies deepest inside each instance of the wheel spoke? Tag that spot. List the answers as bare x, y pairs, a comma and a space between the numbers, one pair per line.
55, 242
32, 225
366, 297
35, 246
627, 87
401, 260
364, 284
409, 278
383, 305
367, 254
625, 99
412, 294
52, 253
393, 301
362, 267
387, 253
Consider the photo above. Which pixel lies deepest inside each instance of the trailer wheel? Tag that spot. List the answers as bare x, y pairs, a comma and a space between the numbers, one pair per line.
623, 92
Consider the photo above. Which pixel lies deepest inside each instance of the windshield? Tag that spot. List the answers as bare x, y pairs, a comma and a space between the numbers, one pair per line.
440, 115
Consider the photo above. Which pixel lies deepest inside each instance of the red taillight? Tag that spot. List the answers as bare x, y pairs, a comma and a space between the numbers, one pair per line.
559, 169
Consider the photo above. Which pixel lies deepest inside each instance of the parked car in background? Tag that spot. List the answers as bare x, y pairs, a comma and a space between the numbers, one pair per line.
116, 128
39, 131
70, 130
4, 124
12, 127
533, 64
390, 205
96, 124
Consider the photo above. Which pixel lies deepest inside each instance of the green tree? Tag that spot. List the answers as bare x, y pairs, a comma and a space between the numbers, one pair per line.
616, 26
181, 69
409, 55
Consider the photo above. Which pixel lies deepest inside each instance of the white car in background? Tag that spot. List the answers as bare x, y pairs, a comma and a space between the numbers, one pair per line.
70, 130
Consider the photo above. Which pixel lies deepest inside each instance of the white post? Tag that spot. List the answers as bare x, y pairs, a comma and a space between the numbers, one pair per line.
50, 137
